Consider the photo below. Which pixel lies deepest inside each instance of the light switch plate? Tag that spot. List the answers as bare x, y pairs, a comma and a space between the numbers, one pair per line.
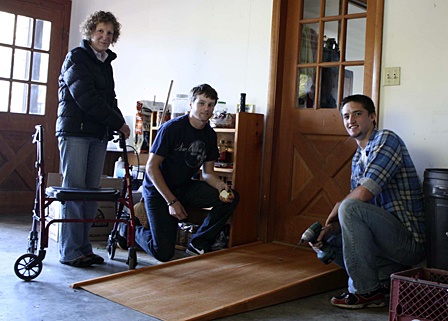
392, 76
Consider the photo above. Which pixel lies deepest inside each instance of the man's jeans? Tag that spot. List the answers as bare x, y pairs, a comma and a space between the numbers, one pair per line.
372, 245
82, 161
160, 239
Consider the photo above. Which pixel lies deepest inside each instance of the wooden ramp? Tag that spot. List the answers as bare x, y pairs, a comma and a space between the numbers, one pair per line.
221, 283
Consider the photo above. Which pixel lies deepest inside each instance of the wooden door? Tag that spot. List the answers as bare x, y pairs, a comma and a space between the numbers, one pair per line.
326, 52
33, 43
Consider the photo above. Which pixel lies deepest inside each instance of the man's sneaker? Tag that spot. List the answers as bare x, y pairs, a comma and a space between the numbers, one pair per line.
385, 288
375, 299
192, 250
122, 235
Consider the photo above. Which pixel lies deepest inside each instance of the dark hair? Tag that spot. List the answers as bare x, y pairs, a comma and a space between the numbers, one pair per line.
205, 90
364, 100
89, 25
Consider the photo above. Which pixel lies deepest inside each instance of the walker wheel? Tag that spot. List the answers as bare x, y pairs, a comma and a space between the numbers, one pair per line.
28, 266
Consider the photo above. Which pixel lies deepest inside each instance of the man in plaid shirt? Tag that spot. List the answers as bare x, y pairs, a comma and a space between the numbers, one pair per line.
378, 228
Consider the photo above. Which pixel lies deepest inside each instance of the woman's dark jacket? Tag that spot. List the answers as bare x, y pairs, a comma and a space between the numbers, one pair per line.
87, 103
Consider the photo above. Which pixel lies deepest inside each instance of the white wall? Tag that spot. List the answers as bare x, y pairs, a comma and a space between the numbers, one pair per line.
226, 43
417, 109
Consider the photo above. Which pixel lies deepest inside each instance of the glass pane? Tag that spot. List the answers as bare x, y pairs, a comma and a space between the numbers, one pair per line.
331, 41
306, 87
19, 97
24, 31
357, 6
329, 87
5, 58
308, 46
42, 36
353, 80
4, 95
7, 26
311, 9
37, 99
356, 39
333, 8
40, 67
22, 64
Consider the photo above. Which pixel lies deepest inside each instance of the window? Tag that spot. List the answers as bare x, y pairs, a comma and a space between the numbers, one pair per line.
331, 52
24, 52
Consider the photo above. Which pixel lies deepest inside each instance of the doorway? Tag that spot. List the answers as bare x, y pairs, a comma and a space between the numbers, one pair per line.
33, 44
322, 51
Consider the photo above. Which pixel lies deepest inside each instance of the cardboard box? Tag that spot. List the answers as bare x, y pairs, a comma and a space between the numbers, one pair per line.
106, 210
53, 211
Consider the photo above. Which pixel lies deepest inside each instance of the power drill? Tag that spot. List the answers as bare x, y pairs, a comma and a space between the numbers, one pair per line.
325, 253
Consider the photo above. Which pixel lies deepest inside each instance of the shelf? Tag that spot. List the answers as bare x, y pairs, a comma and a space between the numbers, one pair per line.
223, 170
224, 130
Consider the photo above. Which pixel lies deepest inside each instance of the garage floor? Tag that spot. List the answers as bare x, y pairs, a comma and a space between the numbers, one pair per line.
50, 297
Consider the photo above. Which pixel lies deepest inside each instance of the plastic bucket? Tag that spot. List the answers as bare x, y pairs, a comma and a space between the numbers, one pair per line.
435, 190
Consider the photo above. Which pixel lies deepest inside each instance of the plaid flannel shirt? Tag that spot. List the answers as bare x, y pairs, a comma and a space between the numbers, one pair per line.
390, 175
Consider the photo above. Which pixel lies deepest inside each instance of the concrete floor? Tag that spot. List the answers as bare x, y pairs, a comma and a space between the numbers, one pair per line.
50, 297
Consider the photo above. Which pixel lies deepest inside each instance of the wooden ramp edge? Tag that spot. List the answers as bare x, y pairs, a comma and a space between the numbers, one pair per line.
221, 283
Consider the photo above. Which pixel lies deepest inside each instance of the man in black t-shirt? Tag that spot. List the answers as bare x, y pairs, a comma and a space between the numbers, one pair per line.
182, 146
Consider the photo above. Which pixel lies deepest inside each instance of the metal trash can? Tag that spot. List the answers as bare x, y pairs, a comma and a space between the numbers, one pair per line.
435, 190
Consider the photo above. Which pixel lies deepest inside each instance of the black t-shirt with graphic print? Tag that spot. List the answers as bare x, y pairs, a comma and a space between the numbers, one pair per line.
184, 149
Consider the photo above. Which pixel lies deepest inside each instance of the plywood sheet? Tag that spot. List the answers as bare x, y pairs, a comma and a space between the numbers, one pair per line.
220, 283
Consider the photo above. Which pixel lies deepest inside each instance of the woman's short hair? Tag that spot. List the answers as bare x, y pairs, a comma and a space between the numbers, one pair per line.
89, 25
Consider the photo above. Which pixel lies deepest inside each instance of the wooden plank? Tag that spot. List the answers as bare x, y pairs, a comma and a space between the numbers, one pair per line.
220, 283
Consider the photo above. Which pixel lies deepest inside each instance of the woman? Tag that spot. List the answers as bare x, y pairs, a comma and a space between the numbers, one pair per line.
87, 116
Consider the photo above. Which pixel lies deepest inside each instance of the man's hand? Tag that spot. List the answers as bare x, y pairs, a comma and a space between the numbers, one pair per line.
177, 210
325, 233
226, 195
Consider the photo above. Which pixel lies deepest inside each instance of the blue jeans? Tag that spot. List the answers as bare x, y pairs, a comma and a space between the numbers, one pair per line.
160, 239
82, 161
372, 245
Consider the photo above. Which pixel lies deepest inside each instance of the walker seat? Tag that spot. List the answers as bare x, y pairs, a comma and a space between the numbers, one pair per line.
78, 194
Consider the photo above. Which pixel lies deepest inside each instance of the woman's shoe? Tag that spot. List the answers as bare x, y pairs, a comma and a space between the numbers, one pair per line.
84, 261
96, 259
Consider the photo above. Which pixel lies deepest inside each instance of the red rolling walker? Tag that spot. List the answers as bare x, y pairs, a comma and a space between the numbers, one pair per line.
29, 265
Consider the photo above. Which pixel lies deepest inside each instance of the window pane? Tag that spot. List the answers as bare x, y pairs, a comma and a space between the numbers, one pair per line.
308, 46
306, 87
333, 7
356, 6
21, 64
329, 87
40, 67
311, 9
5, 58
7, 26
19, 97
356, 39
42, 36
353, 80
331, 41
37, 99
4, 95
24, 31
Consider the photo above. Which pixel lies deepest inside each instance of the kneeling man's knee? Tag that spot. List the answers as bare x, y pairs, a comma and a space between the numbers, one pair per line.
347, 207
